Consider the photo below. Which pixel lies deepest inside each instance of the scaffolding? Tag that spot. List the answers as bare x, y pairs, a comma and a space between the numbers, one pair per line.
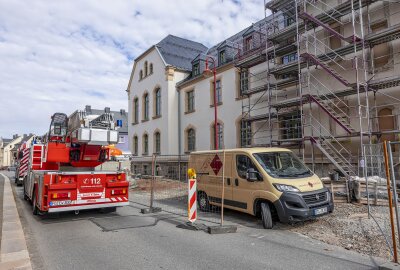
320, 77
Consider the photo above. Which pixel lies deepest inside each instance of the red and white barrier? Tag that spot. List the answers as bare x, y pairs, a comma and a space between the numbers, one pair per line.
192, 201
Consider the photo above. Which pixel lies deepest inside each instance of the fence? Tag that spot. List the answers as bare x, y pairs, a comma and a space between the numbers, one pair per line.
162, 185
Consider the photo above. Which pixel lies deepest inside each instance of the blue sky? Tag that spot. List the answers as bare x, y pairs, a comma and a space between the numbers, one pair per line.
58, 56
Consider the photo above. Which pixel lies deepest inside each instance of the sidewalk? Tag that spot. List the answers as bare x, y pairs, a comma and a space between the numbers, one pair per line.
13, 252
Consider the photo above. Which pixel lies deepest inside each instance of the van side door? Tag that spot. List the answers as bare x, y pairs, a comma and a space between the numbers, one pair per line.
244, 192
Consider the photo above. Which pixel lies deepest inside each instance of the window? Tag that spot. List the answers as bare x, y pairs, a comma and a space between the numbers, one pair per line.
245, 133
221, 58
141, 74
158, 102
145, 144
218, 92
146, 107
282, 165
220, 135
291, 127
191, 140
190, 101
243, 164
121, 139
288, 21
157, 143
289, 58
145, 69
151, 68
381, 52
196, 69
135, 145
136, 110
244, 81
334, 41
248, 43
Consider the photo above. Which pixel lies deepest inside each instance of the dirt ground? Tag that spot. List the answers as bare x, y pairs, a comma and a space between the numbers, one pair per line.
350, 227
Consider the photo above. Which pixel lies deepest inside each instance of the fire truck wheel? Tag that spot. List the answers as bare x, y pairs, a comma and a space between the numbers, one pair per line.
25, 196
35, 210
108, 210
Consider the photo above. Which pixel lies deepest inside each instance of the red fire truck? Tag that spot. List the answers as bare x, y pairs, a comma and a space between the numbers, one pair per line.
61, 171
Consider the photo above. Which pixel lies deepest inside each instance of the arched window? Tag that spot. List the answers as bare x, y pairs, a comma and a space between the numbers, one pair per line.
157, 102
136, 110
151, 68
146, 106
145, 69
157, 143
191, 140
135, 145
220, 135
145, 144
141, 74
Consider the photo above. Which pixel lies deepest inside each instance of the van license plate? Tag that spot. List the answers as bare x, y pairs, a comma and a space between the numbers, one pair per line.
320, 211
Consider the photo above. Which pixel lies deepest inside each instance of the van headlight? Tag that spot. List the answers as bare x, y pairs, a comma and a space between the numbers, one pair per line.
283, 188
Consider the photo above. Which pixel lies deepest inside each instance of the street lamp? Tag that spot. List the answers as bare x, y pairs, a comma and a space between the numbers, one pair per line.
208, 72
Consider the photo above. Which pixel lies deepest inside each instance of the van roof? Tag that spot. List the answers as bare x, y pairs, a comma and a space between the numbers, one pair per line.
245, 150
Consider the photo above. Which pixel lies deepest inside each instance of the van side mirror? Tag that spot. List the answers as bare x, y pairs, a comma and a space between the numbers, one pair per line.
252, 175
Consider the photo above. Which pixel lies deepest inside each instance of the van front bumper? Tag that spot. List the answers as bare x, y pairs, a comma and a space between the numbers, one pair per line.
302, 206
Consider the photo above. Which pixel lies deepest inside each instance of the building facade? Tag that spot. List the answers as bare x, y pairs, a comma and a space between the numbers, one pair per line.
153, 99
321, 78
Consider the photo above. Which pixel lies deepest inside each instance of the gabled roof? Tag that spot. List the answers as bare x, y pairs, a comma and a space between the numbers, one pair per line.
249, 30
179, 52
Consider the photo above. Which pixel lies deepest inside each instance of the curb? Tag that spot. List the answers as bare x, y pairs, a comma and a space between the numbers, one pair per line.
13, 249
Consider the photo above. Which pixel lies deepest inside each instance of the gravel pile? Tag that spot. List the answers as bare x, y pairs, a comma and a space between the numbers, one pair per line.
349, 227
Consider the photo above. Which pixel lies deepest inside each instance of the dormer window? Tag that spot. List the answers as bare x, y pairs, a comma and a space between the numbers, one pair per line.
196, 69
221, 57
249, 43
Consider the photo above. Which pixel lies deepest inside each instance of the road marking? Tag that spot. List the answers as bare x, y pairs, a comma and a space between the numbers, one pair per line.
262, 236
14, 252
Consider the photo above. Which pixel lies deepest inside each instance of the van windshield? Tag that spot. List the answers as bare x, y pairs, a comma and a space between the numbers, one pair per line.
282, 165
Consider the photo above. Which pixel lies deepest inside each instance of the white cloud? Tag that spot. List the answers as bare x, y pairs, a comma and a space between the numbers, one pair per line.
58, 56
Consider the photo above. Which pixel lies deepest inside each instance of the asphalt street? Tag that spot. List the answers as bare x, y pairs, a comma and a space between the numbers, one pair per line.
130, 240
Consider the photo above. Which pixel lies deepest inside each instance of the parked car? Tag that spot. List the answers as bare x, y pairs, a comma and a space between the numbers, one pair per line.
264, 182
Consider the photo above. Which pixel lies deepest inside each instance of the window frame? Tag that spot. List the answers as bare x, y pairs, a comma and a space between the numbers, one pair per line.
190, 101
135, 145
136, 110
146, 107
145, 151
196, 69
157, 102
191, 139
157, 142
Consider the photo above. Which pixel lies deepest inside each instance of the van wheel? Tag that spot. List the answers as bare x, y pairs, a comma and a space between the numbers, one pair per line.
204, 204
35, 210
266, 216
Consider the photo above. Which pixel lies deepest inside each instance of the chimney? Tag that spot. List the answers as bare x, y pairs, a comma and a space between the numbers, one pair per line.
107, 109
88, 109
25, 135
122, 111
15, 136
30, 134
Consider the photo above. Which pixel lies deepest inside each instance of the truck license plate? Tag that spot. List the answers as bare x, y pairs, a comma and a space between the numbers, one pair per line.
59, 203
320, 211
